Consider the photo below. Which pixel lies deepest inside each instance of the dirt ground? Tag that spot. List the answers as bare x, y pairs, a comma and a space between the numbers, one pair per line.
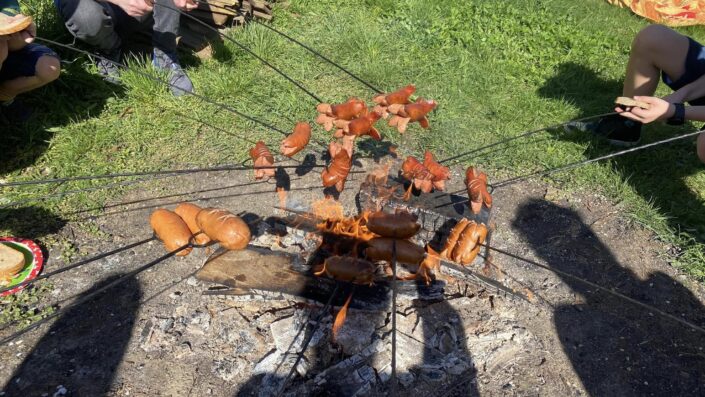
157, 334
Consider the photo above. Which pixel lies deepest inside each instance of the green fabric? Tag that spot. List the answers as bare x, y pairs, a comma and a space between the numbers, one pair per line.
9, 7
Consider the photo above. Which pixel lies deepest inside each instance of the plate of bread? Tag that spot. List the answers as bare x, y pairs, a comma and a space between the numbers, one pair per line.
20, 260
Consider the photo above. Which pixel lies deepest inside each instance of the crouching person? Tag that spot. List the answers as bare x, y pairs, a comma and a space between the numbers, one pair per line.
104, 25
658, 53
24, 65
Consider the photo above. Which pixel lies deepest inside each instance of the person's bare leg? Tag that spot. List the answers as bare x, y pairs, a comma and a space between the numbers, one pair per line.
47, 70
701, 147
655, 48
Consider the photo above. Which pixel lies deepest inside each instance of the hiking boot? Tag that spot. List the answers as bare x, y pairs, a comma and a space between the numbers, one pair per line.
618, 130
107, 67
179, 82
15, 112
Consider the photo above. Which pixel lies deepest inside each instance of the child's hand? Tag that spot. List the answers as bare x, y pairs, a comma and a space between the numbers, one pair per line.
18, 40
29, 34
659, 110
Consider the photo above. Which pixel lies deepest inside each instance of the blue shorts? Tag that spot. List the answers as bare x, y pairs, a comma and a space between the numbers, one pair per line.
23, 62
694, 69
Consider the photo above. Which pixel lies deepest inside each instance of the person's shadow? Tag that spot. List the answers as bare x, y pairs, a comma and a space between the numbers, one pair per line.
616, 347
83, 348
657, 174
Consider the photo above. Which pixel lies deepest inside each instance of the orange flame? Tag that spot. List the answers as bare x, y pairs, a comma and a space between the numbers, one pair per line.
340, 317
354, 227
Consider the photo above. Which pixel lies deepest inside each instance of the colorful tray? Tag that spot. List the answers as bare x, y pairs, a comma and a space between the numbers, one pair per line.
34, 259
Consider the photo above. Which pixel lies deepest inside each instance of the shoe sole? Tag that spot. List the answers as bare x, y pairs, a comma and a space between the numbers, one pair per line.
623, 143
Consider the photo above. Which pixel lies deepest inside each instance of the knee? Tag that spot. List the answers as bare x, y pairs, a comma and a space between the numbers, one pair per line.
701, 147
48, 69
650, 37
90, 23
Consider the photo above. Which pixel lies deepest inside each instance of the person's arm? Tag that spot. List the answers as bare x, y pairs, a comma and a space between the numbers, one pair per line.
133, 8
660, 109
138, 8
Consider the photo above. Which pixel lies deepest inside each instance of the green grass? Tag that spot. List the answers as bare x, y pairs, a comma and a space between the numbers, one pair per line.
496, 68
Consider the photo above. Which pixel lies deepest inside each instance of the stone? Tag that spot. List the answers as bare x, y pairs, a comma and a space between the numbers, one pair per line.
406, 379
290, 333
228, 369
432, 374
241, 339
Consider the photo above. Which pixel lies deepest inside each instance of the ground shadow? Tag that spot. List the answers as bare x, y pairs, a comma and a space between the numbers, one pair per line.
616, 348
656, 174
83, 348
29, 222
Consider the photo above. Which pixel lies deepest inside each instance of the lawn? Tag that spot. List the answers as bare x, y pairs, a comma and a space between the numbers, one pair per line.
495, 68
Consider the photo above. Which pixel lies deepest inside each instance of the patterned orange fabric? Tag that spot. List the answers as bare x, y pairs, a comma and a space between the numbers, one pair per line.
667, 12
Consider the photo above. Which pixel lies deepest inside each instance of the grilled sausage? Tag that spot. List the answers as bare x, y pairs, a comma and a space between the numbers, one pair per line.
399, 225
337, 171
297, 140
453, 238
171, 230
346, 268
380, 249
188, 212
222, 226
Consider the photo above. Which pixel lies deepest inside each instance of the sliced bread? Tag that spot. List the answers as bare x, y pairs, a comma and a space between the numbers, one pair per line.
11, 262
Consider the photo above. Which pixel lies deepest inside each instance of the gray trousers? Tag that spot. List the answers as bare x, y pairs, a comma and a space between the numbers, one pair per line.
102, 24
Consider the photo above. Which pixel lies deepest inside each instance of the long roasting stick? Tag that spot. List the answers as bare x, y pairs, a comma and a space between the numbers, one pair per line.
89, 296
244, 48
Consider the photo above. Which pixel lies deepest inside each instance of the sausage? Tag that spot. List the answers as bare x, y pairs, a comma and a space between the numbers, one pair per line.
410, 113
337, 171
354, 107
364, 125
222, 226
438, 172
398, 97
417, 111
380, 249
171, 230
262, 157
347, 268
453, 238
399, 225
297, 140
430, 265
469, 243
188, 212
414, 171
476, 184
